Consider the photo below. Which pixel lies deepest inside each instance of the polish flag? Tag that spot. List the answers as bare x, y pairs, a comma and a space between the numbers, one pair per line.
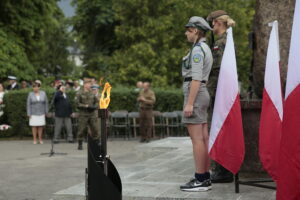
288, 184
226, 141
272, 108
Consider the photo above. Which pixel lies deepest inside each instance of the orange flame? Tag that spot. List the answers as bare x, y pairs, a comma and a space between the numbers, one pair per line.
104, 101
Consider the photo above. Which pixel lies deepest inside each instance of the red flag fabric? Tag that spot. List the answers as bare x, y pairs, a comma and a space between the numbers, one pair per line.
226, 142
272, 108
288, 184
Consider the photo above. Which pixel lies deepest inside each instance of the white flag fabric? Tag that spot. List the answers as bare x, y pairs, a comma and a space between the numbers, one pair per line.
272, 109
226, 142
289, 158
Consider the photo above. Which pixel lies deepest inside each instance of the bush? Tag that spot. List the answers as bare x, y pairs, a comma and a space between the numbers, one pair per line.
122, 98
166, 99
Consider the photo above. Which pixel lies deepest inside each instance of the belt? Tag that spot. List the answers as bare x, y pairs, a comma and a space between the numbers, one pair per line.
188, 79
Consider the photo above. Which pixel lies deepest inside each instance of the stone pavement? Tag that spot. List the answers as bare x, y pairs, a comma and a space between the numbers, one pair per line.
150, 171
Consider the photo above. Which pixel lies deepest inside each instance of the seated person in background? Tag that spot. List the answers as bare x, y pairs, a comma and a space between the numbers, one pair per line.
63, 113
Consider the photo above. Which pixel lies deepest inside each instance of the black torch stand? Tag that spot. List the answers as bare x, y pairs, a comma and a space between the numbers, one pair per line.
102, 178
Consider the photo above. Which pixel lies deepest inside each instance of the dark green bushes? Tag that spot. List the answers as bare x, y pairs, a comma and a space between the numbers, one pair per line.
122, 98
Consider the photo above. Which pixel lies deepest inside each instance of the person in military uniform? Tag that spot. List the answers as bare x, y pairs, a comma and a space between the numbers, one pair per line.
146, 101
88, 104
196, 67
220, 22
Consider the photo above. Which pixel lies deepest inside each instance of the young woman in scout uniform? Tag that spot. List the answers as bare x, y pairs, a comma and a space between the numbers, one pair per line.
196, 68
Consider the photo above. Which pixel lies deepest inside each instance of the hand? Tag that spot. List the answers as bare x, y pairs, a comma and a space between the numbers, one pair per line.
142, 99
188, 110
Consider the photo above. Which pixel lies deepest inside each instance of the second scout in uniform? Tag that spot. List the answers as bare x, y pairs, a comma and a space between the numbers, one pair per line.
220, 21
196, 67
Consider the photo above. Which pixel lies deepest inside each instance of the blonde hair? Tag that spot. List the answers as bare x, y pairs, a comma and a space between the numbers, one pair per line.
228, 21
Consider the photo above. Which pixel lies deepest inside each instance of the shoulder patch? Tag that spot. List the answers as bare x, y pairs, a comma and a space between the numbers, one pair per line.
197, 58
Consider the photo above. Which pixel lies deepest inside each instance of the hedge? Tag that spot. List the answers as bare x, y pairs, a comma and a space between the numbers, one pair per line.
121, 99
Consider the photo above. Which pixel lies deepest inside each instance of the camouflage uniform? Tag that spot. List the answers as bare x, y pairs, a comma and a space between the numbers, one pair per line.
217, 52
88, 104
220, 174
146, 114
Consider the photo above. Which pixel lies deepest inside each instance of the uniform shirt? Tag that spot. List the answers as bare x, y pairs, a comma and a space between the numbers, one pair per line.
217, 52
84, 98
197, 64
150, 98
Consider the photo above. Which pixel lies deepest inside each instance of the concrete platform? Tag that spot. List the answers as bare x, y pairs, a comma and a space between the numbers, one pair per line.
155, 170
150, 171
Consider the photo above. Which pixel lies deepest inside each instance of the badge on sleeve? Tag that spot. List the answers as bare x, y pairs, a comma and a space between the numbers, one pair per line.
197, 58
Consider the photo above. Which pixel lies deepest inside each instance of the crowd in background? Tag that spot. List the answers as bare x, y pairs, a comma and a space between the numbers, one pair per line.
38, 105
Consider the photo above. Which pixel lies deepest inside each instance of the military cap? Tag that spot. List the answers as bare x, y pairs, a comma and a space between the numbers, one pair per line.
198, 22
12, 78
215, 14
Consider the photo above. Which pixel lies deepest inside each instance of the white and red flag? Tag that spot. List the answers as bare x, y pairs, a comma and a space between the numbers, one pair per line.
272, 109
226, 141
288, 184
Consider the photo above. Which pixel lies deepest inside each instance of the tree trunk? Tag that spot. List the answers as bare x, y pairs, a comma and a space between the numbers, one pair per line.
266, 12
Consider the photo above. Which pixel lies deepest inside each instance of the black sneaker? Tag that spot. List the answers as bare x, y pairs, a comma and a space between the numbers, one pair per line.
222, 178
196, 186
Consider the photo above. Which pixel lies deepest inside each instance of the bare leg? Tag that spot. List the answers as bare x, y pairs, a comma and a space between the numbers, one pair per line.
206, 140
40, 132
199, 147
34, 133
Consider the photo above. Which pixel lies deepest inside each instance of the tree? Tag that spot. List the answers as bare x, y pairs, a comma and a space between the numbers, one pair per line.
94, 25
33, 25
148, 36
13, 59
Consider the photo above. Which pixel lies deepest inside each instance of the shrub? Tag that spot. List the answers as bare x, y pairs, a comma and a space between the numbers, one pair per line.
122, 98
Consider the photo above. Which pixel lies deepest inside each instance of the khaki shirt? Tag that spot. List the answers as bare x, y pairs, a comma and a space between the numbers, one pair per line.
217, 52
150, 98
197, 64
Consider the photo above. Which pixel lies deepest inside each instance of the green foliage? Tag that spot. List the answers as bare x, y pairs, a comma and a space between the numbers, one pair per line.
94, 26
122, 98
13, 59
38, 30
149, 36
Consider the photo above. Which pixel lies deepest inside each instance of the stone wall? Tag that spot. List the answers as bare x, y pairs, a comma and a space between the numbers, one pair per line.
251, 114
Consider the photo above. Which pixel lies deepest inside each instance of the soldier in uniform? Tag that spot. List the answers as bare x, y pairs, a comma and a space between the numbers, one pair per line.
88, 104
196, 67
220, 21
146, 101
